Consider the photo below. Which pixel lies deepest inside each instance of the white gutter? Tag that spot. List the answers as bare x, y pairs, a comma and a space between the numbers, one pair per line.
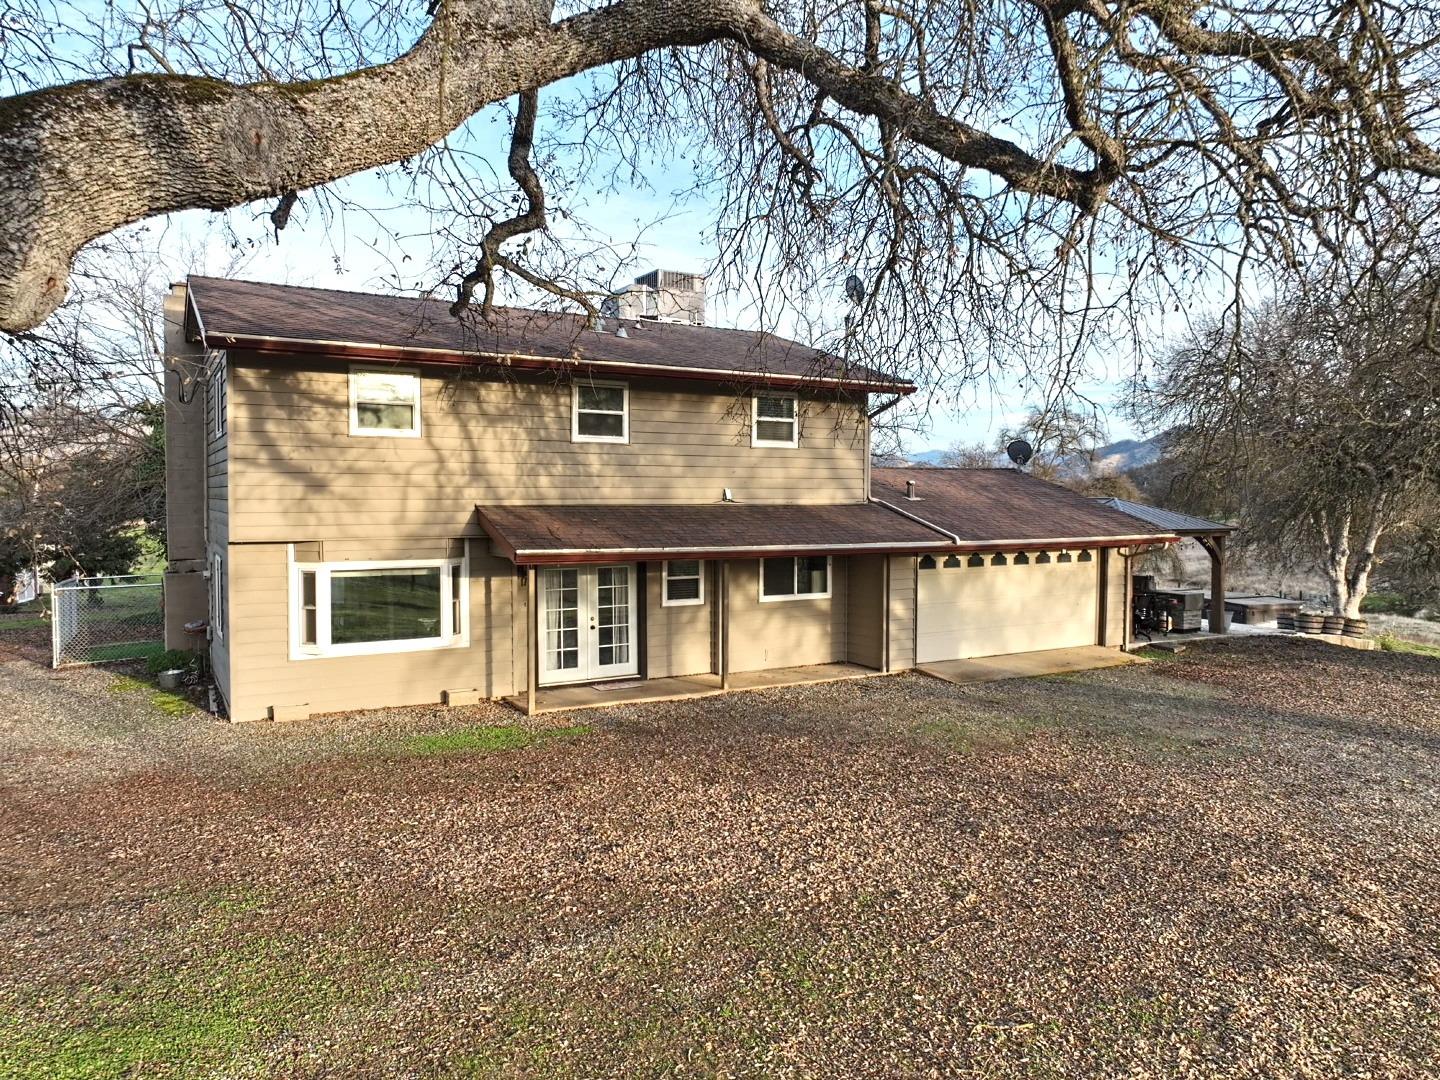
1047, 541
892, 545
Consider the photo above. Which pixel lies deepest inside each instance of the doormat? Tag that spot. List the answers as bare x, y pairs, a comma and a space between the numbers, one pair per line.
628, 684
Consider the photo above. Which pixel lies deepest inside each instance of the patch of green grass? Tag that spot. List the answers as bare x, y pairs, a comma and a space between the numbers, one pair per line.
974, 732
125, 650
481, 739
168, 703
206, 1016
1391, 643
1388, 603
22, 622
211, 1007
1163, 656
171, 660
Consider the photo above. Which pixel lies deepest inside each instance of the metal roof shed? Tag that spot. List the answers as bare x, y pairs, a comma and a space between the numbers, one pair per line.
1212, 536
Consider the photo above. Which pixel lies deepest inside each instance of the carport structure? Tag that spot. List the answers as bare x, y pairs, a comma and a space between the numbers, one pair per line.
1211, 535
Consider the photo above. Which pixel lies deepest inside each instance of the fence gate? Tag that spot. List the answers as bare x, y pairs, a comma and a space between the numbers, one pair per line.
111, 618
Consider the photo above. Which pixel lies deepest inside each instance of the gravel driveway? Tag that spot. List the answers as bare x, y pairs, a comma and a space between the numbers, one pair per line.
1225, 864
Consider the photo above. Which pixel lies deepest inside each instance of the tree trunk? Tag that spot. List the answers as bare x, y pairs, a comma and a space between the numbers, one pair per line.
1336, 533
1358, 581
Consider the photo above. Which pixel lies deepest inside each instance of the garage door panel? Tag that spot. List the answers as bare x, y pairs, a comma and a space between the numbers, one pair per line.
990, 610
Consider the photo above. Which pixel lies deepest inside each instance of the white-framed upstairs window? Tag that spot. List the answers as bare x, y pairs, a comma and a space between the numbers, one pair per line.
684, 583
775, 420
218, 598
805, 577
217, 393
600, 412
365, 608
385, 401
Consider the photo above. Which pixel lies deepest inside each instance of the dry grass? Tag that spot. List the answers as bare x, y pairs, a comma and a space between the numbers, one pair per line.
1222, 865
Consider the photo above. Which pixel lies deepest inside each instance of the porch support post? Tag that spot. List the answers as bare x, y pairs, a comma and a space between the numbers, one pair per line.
723, 611
1102, 605
885, 614
1216, 548
532, 644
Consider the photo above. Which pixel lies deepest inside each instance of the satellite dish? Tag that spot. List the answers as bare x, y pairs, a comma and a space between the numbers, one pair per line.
1020, 452
855, 289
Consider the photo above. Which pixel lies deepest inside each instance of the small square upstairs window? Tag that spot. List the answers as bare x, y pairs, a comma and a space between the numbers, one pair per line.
385, 401
684, 583
775, 422
600, 412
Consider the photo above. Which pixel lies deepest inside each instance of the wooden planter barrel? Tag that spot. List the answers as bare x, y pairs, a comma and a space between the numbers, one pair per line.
1285, 620
1307, 623
1357, 628
1334, 624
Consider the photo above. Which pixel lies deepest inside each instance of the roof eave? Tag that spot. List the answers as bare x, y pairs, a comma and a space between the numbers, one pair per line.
524, 362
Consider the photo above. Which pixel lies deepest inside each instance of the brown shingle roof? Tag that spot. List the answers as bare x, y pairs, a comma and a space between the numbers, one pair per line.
557, 534
248, 313
996, 506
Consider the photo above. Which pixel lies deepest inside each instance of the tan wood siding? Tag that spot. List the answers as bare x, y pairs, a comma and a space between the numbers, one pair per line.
677, 639
865, 638
217, 533
784, 633
296, 473
900, 619
260, 641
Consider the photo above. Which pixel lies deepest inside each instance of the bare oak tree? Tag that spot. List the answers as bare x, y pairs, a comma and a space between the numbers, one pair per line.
1000, 176
1318, 426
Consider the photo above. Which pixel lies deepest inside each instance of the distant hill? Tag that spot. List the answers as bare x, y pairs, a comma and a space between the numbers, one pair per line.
1128, 454
1118, 457
927, 457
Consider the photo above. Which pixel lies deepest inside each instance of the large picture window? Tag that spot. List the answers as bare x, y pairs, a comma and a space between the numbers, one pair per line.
350, 609
385, 401
684, 583
795, 579
775, 421
600, 412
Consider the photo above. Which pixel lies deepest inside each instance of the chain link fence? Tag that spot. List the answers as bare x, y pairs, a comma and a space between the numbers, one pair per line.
112, 618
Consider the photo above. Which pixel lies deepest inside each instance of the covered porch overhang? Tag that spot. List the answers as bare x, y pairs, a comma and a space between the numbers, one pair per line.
537, 537
568, 535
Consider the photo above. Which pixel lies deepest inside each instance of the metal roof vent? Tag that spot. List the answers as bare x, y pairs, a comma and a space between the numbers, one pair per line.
910, 490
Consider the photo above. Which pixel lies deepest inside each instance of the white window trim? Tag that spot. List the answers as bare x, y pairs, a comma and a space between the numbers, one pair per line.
217, 596
829, 582
756, 440
381, 369
665, 600
450, 638
624, 412
217, 393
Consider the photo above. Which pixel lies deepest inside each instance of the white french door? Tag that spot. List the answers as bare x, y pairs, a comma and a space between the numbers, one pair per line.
587, 623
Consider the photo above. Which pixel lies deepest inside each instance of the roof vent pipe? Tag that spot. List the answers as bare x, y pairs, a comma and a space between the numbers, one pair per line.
910, 490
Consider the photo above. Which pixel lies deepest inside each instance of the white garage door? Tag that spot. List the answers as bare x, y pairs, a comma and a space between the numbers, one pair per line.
989, 610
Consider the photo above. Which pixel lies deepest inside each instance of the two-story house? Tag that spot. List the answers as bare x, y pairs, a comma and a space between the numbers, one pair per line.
377, 504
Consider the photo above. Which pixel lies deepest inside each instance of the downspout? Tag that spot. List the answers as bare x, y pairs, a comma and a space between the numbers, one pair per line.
870, 437
918, 520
